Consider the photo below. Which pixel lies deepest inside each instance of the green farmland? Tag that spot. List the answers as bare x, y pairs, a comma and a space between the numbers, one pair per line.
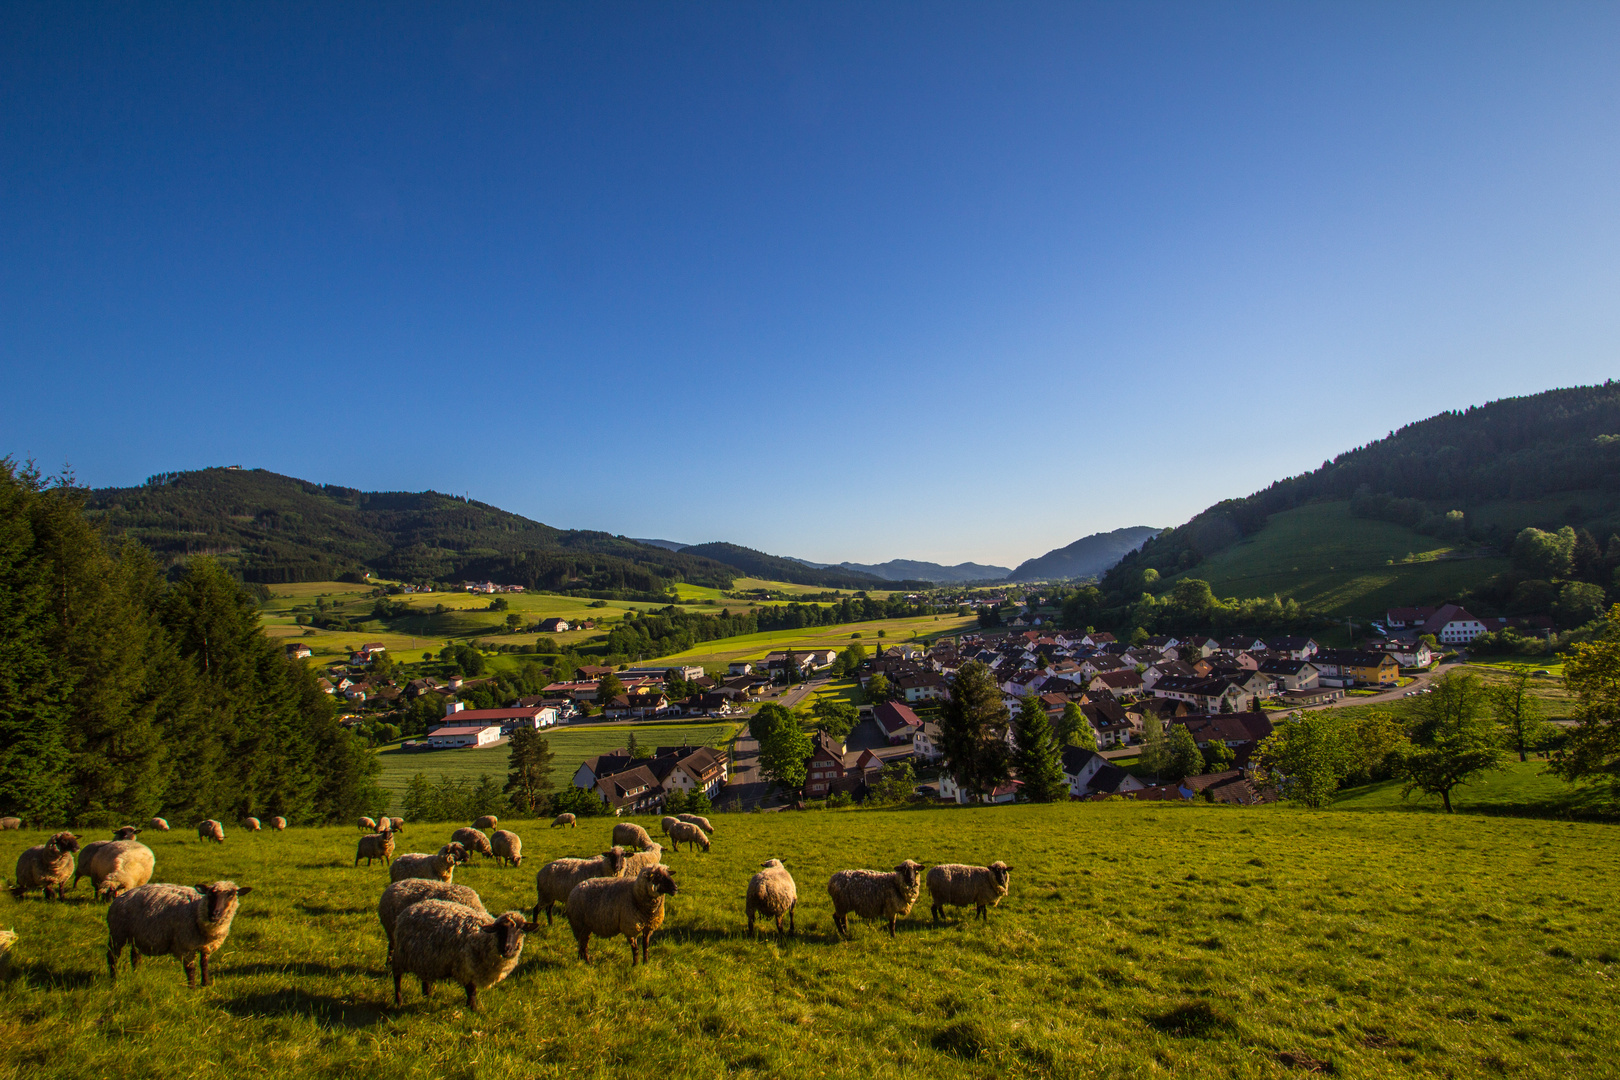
1523, 789
918, 630
1137, 940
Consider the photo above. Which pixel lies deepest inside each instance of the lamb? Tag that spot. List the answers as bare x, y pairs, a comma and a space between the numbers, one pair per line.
472, 840
126, 832
172, 920
402, 894
635, 864
700, 822
160, 825
507, 847
278, 823
980, 887
488, 821
368, 824
10, 824
46, 866
629, 834
379, 845
563, 820
436, 939
115, 866
211, 830
558, 877
665, 822
687, 833
772, 892
441, 864
252, 824
874, 895
609, 907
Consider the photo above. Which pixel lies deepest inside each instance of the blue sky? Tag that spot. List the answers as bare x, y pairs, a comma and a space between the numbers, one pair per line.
838, 281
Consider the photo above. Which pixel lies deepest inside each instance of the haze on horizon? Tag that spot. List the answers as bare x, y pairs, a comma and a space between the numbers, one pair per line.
852, 282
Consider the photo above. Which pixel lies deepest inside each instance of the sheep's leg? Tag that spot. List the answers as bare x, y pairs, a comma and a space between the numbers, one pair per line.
191, 971
202, 956
113, 951
584, 941
646, 937
892, 920
754, 933
399, 991
134, 957
472, 997
934, 910
427, 988
792, 929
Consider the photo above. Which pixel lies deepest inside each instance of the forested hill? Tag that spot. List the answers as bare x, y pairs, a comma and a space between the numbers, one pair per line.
274, 528
1478, 474
775, 568
1086, 557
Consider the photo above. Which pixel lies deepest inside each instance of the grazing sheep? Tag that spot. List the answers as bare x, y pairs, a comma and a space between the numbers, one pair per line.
507, 847
665, 822
211, 830
874, 895
278, 823
441, 864
563, 819
629, 834
126, 832
402, 894
772, 892
115, 866
436, 939
252, 824
609, 907
488, 821
700, 822
635, 864
378, 845
10, 824
87, 853
368, 824
396, 824
160, 825
558, 877
8, 938
46, 866
472, 840
172, 920
687, 833
980, 887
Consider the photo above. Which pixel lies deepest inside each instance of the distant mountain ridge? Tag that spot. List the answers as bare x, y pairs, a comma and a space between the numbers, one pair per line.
795, 571
1090, 556
911, 569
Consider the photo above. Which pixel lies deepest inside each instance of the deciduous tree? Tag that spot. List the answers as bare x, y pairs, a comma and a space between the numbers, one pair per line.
1454, 739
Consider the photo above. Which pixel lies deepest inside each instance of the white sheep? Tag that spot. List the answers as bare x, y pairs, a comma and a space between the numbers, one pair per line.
396, 824
629, 834
557, 878
472, 840
773, 893
46, 866
402, 894
665, 822
160, 825
441, 864
368, 824
278, 823
635, 864
687, 833
487, 821
436, 939
211, 830
956, 885
378, 845
563, 820
507, 847
172, 920
874, 895
252, 824
614, 907
10, 824
115, 866
700, 822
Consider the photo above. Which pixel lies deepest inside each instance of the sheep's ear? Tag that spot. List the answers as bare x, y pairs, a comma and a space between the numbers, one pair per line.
205, 888
490, 929
244, 890
529, 927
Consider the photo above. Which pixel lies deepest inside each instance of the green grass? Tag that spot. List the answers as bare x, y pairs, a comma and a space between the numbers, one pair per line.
1320, 555
1523, 789
1137, 941
918, 630
569, 745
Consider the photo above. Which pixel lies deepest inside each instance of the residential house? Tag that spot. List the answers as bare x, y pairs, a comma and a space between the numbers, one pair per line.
1291, 674
1298, 648
1453, 625
1230, 786
951, 790
593, 769
459, 735
554, 626
1205, 694
298, 651
926, 686
1316, 695
1408, 653
1116, 684
1356, 667
925, 743
703, 769
899, 724
1109, 721
635, 706
739, 667
825, 774
1111, 780
634, 791
1402, 618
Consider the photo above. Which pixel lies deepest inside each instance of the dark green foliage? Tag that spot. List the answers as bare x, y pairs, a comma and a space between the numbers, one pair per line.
774, 568
1453, 737
973, 730
783, 747
1036, 753
579, 802
1592, 754
529, 766
837, 718
1182, 757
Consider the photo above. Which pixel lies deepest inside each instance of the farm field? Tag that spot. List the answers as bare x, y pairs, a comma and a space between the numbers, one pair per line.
1523, 789
569, 745
917, 630
1136, 940
1320, 555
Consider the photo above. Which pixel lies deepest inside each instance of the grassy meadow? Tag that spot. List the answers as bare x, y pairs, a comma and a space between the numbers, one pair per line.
919, 630
1138, 940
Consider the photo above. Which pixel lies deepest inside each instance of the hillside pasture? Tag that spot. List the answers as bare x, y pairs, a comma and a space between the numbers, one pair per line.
916, 630
1136, 940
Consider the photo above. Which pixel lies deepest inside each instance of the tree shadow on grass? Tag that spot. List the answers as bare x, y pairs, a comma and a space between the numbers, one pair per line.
302, 967
44, 977
324, 1009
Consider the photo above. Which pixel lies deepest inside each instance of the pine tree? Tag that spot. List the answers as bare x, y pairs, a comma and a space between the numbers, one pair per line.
1040, 767
973, 730
529, 767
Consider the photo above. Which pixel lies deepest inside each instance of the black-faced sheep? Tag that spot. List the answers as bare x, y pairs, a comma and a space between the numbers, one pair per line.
115, 866
684, 832
472, 840
771, 892
874, 895
557, 878
126, 832
441, 864
629, 834
402, 894
436, 939
211, 830
488, 821
507, 847
956, 885
563, 820
46, 867
612, 907
700, 822
172, 920
377, 845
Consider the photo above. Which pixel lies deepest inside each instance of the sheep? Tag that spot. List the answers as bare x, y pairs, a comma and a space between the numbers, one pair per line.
472, 840
211, 830
252, 824
507, 847
87, 852
772, 892
396, 824
402, 894
608, 907
126, 832
665, 822
10, 824
635, 864
629, 834
441, 864
872, 894
46, 866
487, 821
160, 825
278, 823
368, 824
687, 833
562, 820
980, 887
115, 866
172, 920
700, 822
8, 938
436, 939
378, 845
558, 877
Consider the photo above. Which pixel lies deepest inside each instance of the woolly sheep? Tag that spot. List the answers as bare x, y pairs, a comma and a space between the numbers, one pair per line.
687, 833
772, 893
87, 852
8, 938
610, 907
10, 824
252, 824
956, 885
402, 894
472, 840
507, 847
172, 920
126, 832
396, 824
368, 824
488, 821
874, 895
46, 866
665, 822
629, 834
211, 830
700, 822
441, 864
436, 939
635, 864
160, 825
278, 823
561, 820
558, 877
377, 845
115, 866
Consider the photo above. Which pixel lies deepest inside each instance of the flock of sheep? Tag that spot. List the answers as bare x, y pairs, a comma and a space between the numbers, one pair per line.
440, 931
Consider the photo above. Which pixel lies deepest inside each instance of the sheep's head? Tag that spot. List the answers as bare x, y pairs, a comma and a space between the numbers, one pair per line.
614, 860
127, 832
659, 879
1001, 872
769, 863
509, 930
908, 871
455, 852
221, 899
63, 841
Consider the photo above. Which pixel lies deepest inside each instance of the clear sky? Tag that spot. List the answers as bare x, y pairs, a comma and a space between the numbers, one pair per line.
854, 281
